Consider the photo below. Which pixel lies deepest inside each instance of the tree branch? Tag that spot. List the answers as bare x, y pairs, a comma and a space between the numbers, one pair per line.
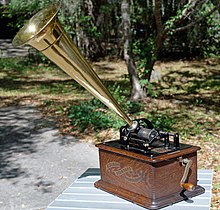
195, 22
187, 11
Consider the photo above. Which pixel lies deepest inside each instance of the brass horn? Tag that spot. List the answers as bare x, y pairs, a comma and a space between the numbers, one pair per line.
45, 33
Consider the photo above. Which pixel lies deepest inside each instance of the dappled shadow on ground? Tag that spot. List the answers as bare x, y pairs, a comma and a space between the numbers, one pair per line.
42, 81
196, 83
19, 130
45, 85
111, 70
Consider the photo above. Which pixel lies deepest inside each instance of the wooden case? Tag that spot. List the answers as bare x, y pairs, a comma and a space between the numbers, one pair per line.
151, 182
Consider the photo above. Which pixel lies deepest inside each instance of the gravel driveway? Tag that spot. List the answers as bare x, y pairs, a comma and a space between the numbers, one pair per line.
36, 163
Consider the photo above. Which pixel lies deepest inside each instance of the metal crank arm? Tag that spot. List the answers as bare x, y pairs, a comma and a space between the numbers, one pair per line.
186, 186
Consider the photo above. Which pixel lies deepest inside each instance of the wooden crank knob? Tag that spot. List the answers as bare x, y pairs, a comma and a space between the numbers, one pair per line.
188, 186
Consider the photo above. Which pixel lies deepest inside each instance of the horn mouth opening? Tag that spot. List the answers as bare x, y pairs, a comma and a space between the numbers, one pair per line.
35, 25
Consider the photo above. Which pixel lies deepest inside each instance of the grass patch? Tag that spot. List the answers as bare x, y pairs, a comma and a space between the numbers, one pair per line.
21, 77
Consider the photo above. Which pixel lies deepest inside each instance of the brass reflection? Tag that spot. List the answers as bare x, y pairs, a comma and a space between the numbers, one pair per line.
44, 32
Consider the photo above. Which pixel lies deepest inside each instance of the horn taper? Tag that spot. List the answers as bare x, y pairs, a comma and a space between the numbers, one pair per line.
44, 32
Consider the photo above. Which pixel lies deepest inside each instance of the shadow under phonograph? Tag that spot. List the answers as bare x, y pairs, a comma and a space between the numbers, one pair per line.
146, 166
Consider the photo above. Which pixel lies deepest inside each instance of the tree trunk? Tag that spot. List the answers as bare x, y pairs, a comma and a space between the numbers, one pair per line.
159, 38
137, 92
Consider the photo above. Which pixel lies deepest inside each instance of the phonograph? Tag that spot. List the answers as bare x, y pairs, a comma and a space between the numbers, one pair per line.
146, 166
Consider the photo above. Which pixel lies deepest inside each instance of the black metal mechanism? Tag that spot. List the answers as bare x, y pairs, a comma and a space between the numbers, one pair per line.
142, 136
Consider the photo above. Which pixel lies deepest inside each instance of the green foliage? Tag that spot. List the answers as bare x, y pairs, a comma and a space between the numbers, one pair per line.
41, 59
24, 9
143, 43
172, 21
211, 45
101, 23
206, 42
88, 25
19, 64
200, 40
23, 6
150, 90
162, 121
105, 9
144, 52
121, 95
92, 114
96, 115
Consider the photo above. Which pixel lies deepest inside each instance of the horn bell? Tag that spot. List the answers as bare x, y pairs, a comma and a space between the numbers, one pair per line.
44, 32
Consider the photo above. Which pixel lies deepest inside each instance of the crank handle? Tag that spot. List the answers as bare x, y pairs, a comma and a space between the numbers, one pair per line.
187, 186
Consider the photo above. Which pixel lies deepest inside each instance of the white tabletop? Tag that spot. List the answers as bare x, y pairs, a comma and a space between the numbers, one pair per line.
82, 195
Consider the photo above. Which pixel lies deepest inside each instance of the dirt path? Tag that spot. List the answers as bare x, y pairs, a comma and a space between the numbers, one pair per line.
36, 163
